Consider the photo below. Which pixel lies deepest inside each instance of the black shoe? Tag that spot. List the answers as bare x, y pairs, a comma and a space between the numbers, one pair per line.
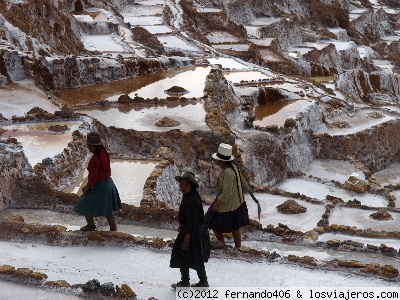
201, 284
88, 228
180, 284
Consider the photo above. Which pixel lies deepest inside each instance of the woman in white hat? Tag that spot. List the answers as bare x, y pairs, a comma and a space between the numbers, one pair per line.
191, 248
230, 209
100, 195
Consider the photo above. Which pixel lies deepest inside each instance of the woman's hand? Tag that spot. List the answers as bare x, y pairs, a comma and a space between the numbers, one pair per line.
216, 205
185, 244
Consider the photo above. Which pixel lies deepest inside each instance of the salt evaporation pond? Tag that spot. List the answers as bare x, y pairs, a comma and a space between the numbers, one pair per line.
88, 16
227, 63
263, 42
237, 77
146, 86
361, 120
20, 97
208, 10
158, 29
174, 42
190, 116
39, 143
389, 175
270, 215
191, 79
276, 113
142, 10
217, 37
234, 47
103, 43
140, 21
320, 191
129, 177
360, 218
330, 169
73, 221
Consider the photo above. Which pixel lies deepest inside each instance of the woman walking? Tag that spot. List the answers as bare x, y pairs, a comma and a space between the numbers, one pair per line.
191, 248
230, 209
100, 195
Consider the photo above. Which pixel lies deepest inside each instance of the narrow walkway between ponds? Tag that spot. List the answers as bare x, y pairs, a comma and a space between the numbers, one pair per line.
147, 271
73, 222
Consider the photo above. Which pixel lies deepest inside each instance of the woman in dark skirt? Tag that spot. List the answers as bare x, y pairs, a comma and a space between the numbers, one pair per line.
230, 209
191, 248
100, 195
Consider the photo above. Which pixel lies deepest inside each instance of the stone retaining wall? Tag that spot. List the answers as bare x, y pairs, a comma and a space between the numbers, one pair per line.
375, 147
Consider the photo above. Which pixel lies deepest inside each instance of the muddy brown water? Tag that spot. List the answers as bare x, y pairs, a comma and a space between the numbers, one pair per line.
111, 90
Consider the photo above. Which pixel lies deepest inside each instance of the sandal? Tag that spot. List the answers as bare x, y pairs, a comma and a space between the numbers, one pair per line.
88, 228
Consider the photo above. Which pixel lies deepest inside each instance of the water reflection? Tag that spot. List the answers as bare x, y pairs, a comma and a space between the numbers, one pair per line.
18, 98
192, 79
146, 86
276, 113
191, 117
38, 142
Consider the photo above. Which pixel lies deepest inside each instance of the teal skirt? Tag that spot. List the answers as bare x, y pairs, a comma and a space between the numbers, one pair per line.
102, 200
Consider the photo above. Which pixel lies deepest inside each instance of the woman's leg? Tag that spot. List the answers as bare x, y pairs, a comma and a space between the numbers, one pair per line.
111, 222
90, 226
184, 275
237, 238
202, 276
220, 237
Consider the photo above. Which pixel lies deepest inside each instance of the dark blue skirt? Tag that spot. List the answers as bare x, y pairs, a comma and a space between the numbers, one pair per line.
102, 200
229, 221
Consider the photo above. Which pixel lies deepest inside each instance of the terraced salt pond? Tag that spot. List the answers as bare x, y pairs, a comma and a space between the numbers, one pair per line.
192, 79
237, 77
19, 97
276, 113
39, 143
103, 43
359, 121
270, 215
146, 86
174, 42
360, 218
330, 169
320, 191
227, 63
129, 177
389, 175
190, 116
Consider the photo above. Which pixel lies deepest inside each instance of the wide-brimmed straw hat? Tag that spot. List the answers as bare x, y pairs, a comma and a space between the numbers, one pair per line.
94, 139
189, 176
224, 153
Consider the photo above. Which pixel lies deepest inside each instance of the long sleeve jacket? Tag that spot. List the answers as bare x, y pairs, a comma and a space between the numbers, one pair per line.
99, 168
229, 189
190, 211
